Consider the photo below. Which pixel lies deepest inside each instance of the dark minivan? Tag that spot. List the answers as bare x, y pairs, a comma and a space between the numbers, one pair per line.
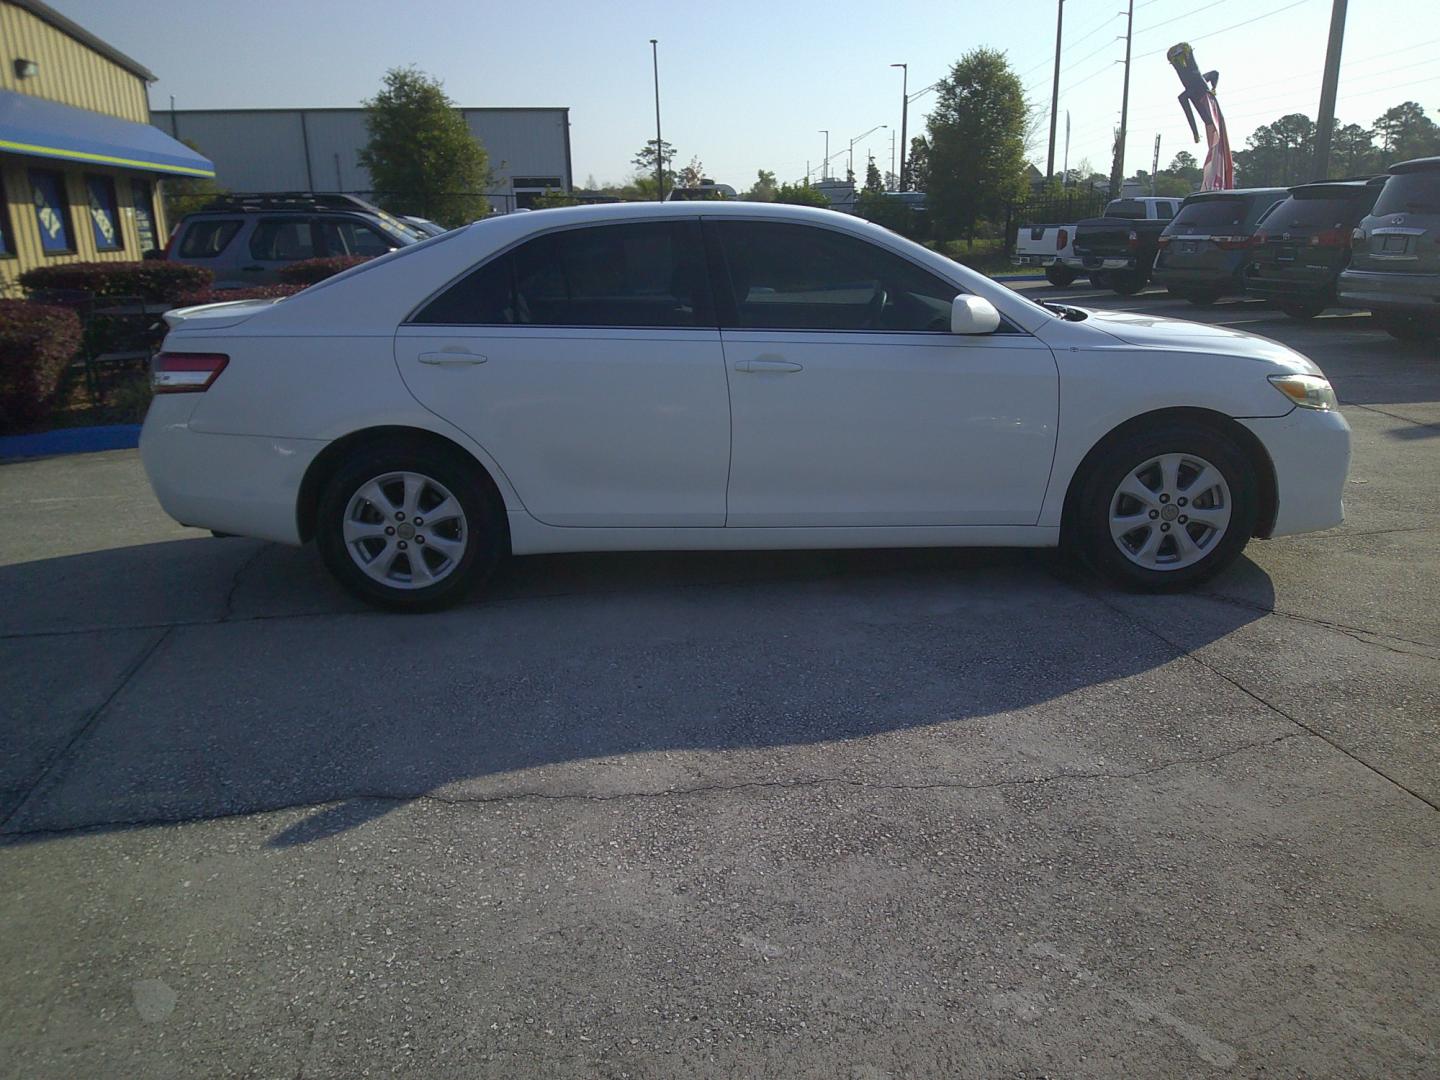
1304, 244
1204, 251
1395, 269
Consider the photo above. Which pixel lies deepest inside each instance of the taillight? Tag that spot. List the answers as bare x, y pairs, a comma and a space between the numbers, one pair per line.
1234, 243
1331, 238
1061, 239
1357, 234
185, 372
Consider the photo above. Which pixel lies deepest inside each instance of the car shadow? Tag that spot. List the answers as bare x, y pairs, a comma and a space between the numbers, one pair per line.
249, 683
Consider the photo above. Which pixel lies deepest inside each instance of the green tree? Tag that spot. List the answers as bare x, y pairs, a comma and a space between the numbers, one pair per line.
764, 188
873, 181
691, 175
185, 194
917, 165
1353, 153
421, 156
1406, 132
644, 162
977, 143
801, 194
1280, 154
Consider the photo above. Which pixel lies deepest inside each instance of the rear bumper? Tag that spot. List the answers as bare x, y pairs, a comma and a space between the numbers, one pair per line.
1310, 451
1033, 260
1099, 262
1391, 291
1198, 279
1295, 287
248, 485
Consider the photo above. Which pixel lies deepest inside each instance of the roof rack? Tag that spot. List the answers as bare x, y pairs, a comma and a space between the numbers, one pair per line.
289, 200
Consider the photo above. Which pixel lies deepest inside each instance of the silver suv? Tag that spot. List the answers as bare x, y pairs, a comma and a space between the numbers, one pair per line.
247, 239
1395, 268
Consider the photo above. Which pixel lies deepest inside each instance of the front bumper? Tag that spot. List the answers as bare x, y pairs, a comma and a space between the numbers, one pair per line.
1310, 451
1391, 291
248, 485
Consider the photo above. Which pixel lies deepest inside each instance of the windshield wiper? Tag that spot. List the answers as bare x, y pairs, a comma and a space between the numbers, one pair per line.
1069, 314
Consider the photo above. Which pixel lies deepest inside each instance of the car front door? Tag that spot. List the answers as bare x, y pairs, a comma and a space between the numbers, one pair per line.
587, 362
852, 404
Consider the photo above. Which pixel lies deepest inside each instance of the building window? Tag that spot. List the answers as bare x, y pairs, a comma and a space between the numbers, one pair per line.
52, 212
7, 235
104, 213
144, 203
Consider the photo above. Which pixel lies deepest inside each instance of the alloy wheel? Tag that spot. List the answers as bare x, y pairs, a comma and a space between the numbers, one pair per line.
1170, 511
405, 530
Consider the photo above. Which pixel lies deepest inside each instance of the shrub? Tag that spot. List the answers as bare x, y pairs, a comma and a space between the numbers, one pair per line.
154, 279
219, 296
37, 343
309, 271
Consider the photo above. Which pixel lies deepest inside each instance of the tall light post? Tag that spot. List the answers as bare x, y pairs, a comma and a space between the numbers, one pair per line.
904, 117
1055, 92
850, 165
659, 142
825, 165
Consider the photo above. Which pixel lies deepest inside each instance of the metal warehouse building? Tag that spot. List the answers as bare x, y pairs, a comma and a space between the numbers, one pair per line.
318, 149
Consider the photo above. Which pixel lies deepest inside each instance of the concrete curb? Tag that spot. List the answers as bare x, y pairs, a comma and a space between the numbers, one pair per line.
79, 440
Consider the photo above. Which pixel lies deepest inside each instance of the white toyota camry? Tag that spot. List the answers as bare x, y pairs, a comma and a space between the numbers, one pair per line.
722, 375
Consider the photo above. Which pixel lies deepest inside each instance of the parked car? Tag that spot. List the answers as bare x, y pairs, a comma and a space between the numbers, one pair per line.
424, 225
1395, 271
247, 239
1304, 244
1118, 249
726, 375
1048, 246
1204, 251
706, 189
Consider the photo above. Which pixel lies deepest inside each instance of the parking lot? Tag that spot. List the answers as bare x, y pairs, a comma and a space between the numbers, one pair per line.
830, 814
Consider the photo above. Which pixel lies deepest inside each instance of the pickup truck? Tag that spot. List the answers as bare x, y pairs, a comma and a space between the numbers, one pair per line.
1118, 250
1047, 246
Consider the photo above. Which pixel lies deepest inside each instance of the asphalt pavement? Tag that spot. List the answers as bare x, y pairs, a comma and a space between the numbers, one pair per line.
829, 814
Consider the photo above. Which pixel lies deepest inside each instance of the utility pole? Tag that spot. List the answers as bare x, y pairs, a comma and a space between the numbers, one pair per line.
1117, 170
904, 118
1155, 165
1055, 90
659, 142
1066, 178
893, 177
825, 165
1325, 125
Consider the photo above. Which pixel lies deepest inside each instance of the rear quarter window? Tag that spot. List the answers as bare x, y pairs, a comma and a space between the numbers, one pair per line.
1410, 193
207, 239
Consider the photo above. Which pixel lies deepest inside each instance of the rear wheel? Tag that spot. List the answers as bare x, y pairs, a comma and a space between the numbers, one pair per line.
1059, 275
1100, 278
1198, 298
1165, 508
1301, 309
1128, 282
1407, 328
409, 527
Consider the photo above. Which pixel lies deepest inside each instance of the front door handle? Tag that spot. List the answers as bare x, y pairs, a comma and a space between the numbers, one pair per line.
769, 363
451, 359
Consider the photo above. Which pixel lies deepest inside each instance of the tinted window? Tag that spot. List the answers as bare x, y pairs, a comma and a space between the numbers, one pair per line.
144, 214
650, 275
283, 240
207, 238
1213, 213
355, 238
104, 215
1295, 213
1164, 211
1410, 193
800, 277
52, 211
1126, 208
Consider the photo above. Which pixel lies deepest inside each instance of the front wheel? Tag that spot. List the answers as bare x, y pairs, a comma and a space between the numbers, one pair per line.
1406, 328
1164, 508
1128, 282
409, 527
1059, 275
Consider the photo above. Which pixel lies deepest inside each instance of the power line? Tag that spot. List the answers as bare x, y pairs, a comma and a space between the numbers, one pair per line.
1177, 18
1235, 26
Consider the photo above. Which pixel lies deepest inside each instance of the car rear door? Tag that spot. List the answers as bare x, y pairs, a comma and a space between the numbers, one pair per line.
276, 242
587, 362
854, 405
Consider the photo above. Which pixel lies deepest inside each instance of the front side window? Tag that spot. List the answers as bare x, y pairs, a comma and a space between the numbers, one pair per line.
344, 237
208, 237
52, 211
104, 213
800, 277
642, 275
283, 240
144, 204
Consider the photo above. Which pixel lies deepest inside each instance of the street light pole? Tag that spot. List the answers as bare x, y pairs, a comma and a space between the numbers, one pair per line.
850, 166
904, 117
825, 165
1055, 92
659, 142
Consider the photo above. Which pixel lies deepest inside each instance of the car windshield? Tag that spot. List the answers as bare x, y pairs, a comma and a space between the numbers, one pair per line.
1410, 193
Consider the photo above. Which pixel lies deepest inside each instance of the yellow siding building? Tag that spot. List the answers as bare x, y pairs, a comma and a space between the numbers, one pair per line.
80, 164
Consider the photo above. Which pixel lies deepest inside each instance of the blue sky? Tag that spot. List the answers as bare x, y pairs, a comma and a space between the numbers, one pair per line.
747, 85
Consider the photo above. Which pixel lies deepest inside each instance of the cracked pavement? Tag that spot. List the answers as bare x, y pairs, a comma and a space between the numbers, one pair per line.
854, 814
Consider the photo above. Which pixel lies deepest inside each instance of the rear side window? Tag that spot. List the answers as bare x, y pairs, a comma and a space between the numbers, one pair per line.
1164, 211
207, 238
1410, 193
645, 275
283, 240
345, 237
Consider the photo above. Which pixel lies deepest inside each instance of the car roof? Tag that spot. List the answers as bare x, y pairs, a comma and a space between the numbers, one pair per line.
1234, 193
1337, 189
1416, 165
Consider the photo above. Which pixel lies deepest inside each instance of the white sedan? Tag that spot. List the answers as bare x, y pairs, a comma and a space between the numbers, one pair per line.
687, 376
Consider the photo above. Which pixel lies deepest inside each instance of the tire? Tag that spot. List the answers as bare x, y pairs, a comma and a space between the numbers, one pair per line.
1406, 328
1100, 278
370, 547
1301, 309
1148, 556
1059, 275
1199, 299
1128, 282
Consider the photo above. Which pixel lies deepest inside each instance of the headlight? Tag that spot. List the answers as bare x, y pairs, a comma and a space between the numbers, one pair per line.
1307, 391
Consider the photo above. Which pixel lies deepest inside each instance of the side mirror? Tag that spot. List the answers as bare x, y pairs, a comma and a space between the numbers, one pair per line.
973, 315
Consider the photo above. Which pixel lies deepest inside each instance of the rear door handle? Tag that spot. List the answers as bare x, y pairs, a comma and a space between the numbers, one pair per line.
451, 359
769, 363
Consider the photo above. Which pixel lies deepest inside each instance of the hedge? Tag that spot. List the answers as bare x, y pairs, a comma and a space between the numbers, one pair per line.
219, 296
154, 279
37, 343
309, 271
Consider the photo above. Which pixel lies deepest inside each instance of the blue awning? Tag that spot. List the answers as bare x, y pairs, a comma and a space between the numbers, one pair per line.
31, 125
